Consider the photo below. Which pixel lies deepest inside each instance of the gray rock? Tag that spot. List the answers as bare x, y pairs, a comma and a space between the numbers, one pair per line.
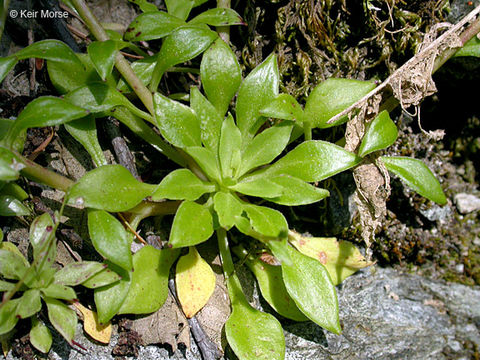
385, 314
467, 203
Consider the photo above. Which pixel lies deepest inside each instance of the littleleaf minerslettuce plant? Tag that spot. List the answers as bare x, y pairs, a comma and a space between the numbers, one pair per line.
231, 166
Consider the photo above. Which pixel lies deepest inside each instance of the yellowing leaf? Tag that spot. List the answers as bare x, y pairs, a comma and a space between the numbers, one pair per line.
92, 327
340, 258
195, 282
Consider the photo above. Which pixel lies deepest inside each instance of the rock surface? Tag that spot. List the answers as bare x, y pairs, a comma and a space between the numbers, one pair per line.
385, 315
467, 203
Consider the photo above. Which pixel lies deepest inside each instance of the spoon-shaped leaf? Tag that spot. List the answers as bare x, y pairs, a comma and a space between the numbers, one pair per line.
110, 188
40, 336
269, 278
149, 280
102, 54
341, 258
11, 206
218, 17
257, 90
252, 334
85, 132
29, 304
152, 25
227, 208
417, 176
208, 116
192, 225
195, 282
221, 75
177, 122
109, 298
331, 97
183, 44
110, 238
229, 148
180, 8
77, 272
8, 319
284, 106
63, 319
381, 133
104, 277
309, 284
296, 192
314, 160
44, 111
53, 50
99, 97
182, 184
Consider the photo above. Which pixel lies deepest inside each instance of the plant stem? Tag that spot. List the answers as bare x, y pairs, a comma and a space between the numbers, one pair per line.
40, 174
122, 65
224, 31
307, 130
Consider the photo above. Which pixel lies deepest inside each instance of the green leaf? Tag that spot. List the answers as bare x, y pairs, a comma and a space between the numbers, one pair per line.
152, 25
149, 282
471, 48
57, 291
221, 75
183, 44
314, 160
179, 8
6, 65
309, 284
66, 76
111, 188
85, 132
210, 119
144, 5
252, 334
296, 192
6, 286
5, 125
10, 165
99, 97
10, 206
44, 111
284, 106
341, 258
12, 265
53, 50
104, 277
102, 54
63, 319
109, 298
143, 68
260, 187
14, 190
218, 17
265, 147
177, 122
270, 281
331, 97
266, 221
110, 238
206, 160
228, 208
40, 336
75, 273
8, 319
381, 133
229, 148
257, 90
182, 184
192, 225
417, 176
42, 238
29, 304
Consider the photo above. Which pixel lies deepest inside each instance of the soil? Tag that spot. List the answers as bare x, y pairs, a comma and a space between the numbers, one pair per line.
314, 40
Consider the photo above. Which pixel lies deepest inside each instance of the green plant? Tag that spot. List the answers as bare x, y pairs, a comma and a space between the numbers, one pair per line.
234, 169
41, 281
